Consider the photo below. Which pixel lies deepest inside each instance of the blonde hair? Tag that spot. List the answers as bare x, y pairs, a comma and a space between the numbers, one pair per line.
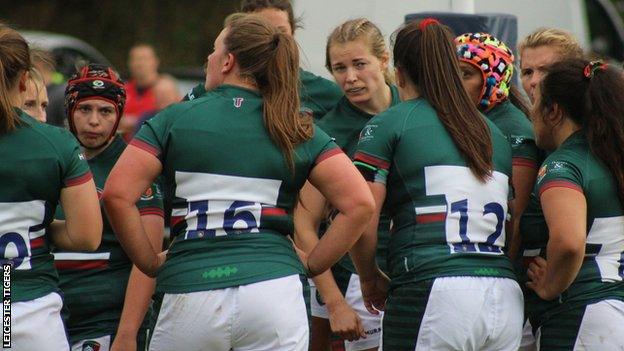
564, 42
36, 78
360, 28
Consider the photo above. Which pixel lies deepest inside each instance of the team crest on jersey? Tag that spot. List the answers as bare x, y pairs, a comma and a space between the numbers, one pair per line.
91, 346
367, 132
558, 166
238, 102
148, 194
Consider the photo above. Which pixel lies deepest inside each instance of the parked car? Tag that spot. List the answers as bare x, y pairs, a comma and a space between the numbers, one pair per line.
70, 52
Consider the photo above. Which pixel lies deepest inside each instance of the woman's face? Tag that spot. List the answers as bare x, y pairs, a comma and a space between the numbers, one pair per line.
472, 78
214, 63
35, 100
358, 72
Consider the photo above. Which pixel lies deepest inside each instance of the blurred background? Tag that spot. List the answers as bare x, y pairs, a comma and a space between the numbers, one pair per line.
182, 32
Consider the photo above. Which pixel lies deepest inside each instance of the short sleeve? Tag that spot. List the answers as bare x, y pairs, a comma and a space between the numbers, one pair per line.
75, 167
323, 146
152, 135
375, 149
151, 201
524, 152
558, 173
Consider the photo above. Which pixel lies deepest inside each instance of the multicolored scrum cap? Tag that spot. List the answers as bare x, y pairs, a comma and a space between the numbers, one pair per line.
95, 81
495, 61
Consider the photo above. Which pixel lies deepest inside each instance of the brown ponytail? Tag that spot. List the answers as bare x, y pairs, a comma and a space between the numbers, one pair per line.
596, 103
14, 60
270, 59
424, 51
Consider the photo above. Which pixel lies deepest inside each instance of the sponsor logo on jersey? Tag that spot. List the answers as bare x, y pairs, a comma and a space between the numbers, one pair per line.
81, 156
220, 272
516, 140
238, 102
91, 345
98, 84
367, 132
190, 95
147, 195
558, 166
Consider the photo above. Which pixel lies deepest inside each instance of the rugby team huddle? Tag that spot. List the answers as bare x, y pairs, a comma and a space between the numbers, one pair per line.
428, 208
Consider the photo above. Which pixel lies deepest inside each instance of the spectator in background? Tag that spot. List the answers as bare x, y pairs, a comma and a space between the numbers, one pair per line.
541, 49
166, 92
35, 96
143, 65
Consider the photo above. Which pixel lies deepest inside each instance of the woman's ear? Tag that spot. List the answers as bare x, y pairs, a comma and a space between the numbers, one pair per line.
555, 115
228, 63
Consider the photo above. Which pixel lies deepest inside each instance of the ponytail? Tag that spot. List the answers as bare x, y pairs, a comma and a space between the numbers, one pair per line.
270, 59
281, 97
14, 60
592, 95
425, 52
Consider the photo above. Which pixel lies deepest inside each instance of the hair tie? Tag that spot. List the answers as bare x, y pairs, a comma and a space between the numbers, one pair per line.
276, 38
427, 21
592, 67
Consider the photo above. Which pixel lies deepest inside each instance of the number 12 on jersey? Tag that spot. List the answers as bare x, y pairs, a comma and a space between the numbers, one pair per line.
476, 216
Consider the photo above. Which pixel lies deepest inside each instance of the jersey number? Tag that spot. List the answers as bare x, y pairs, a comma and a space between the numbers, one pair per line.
13, 248
466, 245
238, 218
475, 211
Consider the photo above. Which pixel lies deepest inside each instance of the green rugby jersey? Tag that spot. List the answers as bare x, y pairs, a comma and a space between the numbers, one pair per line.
344, 123
574, 166
519, 131
316, 94
94, 283
38, 160
445, 221
230, 189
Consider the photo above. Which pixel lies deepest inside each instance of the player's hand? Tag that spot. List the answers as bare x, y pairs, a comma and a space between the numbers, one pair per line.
124, 343
537, 279
375, 292
344, 321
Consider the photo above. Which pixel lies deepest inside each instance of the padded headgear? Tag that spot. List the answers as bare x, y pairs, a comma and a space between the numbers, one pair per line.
95, 81
495, 61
